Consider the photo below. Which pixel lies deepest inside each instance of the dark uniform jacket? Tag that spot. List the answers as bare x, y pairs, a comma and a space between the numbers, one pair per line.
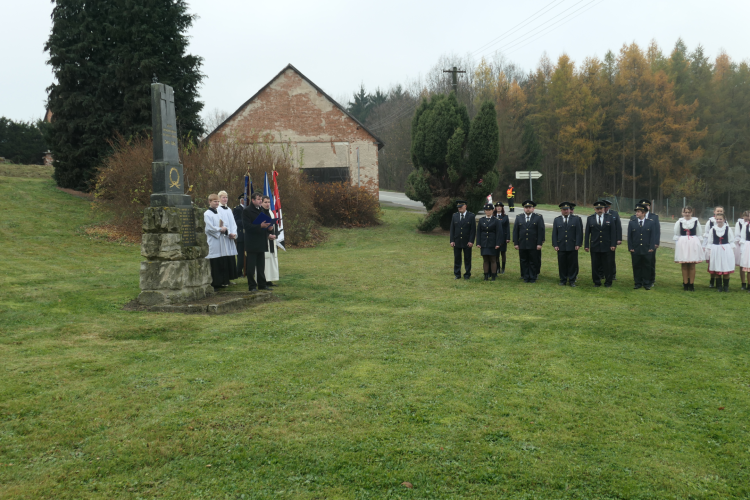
567, 236
256, 238
490, 234
237, 211
600, 238
528, 236
642, 239
657, 226
618, 223
463, 231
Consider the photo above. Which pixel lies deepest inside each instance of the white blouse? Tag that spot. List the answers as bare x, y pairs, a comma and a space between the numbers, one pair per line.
689, 224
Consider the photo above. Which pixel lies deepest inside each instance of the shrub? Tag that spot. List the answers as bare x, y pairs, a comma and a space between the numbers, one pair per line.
123, 183
339, 204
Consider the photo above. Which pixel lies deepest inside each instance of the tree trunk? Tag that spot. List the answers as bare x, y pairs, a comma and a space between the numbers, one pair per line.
634, 162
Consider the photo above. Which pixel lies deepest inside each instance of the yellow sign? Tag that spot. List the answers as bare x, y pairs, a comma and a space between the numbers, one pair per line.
174, 182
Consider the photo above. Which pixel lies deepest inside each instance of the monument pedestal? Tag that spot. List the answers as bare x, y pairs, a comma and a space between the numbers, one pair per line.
174, 244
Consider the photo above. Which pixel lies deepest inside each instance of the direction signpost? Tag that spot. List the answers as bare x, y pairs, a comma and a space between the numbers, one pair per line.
531, 174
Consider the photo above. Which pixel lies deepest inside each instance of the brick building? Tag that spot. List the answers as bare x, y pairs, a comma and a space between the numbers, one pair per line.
294, 112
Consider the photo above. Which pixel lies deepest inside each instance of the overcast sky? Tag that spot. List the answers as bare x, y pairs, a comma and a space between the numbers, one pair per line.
338, 44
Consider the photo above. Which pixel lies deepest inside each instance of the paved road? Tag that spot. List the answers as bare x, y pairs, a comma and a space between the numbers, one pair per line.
392, 198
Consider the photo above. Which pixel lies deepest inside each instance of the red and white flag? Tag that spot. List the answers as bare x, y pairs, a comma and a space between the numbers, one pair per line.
277, 211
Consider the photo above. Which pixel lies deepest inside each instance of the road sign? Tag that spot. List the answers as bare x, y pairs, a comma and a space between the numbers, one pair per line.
533, 174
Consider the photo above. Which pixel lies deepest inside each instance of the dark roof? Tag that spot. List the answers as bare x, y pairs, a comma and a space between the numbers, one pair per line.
333, 101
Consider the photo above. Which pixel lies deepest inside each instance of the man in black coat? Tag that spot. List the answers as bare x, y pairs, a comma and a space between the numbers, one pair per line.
642, 245
567, 237
240, 241
256, 243
618, 227
462, 234
600, 239
657, 228
528, 238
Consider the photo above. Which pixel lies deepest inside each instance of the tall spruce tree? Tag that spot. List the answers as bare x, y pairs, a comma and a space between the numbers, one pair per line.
104, 56
453, 156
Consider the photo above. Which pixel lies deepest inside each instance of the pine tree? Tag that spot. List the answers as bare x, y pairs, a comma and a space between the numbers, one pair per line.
360, 107
451, 156
104, 56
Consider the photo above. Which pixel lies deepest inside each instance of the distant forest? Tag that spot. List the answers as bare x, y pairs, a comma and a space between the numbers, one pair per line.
634, 124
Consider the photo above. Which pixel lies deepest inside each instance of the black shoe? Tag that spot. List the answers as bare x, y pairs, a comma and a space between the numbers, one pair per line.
563, 283
720, 288
253, 289
457, 277
685, 287
726, 288
532, 281
573, 283
263, 288
597, 285
744, 286
494, 276
486, 276
270, 284
614, 278
526, 280
711, 285
691, 287
502, 271
636, 287
647, 287
467, 276
608, 285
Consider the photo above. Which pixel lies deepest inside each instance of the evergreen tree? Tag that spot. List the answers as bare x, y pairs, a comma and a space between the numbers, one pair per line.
453, 157
104, 56
22, 142
360, 107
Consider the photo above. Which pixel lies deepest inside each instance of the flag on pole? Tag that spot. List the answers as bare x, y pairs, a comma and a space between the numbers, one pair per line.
277, 212
267, 192
489, 198
246, 190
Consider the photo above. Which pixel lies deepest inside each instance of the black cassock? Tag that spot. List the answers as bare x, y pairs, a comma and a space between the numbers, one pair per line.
462, 232
567, 235
599, 239
527, 236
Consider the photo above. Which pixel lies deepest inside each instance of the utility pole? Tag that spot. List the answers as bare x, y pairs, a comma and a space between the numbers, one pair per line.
455, 72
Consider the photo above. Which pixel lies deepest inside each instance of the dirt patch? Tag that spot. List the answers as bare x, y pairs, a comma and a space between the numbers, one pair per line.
115, 232
222, 302
77, 194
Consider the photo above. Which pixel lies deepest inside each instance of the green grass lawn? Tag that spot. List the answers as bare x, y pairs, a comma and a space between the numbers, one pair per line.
374, 368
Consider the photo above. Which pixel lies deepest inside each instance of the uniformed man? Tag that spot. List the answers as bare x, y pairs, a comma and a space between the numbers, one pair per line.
462, 234
599, 240
567, 237
528, 238
642, 245
618, 227
657, 227
579, 220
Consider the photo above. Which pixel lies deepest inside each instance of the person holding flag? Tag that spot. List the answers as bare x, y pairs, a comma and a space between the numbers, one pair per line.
276, 207
271, 255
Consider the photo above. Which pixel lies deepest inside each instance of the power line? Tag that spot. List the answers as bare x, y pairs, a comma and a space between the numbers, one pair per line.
531, 31
513, 29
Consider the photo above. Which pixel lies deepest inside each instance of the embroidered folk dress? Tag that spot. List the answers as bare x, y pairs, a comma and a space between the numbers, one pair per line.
738, 228
744, 245
719, 243
688, 235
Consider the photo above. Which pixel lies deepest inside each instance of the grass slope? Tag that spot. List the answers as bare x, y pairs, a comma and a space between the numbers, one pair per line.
374, 368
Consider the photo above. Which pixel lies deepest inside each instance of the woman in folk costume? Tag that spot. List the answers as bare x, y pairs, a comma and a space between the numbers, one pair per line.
229, 248
739, 228
500, 215
711, 222
272, 255
719, 243
490, 236
744, 244
688, 249
216, 231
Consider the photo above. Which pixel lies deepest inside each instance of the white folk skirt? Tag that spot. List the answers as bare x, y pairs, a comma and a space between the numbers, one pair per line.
737, 254
689, 250
722, 259
744, 255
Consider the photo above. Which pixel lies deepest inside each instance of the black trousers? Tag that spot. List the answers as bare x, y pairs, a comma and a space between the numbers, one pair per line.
567, 265
240, 256
457, 261
652, 274
256, 263
642, 268
600, 263
531, 263
613, 263
510, 204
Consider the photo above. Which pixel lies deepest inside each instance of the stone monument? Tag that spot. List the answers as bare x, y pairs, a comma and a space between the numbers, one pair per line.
174, 242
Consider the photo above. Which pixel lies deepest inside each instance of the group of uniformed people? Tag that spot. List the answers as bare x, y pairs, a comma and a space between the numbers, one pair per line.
599, 235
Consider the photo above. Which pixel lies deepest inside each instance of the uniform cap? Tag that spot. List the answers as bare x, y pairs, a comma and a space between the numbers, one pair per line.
609, 203
241, 197
644, 202
529, 203
600, 204
499, 204
460, 203
641, 207
566, 204
489, 206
